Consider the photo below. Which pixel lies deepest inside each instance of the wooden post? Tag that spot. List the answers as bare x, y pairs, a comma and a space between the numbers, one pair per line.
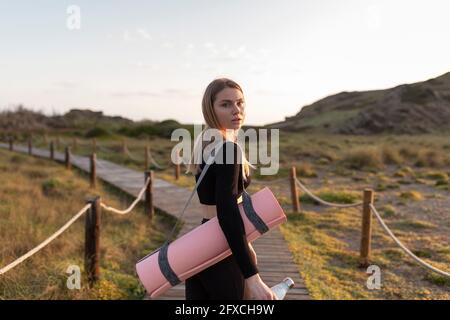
366, 229
177, 166
30, 145
124, 146
93, 170
149, 210
294, 191
52, 150
94, 145
92, 241
146, 161
68, 164
11, 144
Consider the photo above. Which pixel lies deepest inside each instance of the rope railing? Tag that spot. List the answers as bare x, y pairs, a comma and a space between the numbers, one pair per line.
295, 182
405, 249
131, 156
131, 207
385, 227
338, 205
105, 149
45, 242
146, 189
99, 164
153, 161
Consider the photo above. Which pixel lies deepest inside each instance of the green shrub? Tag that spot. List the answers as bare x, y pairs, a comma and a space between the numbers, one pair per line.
52, 188
305, 170
367, 158
391, 155
332, 196
429, 158
389, 211
162, 129
97, 132
411, 195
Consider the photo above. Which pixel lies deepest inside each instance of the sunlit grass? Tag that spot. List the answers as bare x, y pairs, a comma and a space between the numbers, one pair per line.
39, 196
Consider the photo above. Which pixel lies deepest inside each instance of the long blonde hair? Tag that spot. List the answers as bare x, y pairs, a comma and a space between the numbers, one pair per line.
212, 122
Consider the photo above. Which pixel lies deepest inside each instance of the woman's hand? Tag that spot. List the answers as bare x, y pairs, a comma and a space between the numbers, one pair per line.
256, 289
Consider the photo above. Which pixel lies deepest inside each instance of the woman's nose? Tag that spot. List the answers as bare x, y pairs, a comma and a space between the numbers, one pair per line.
236, 108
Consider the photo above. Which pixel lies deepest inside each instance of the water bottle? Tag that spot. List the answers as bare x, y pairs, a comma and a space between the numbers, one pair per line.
282, 288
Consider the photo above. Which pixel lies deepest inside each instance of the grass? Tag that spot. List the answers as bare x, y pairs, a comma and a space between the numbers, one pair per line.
411, 195
306, 170
325, 245
413, 224
389, 211
39, 196
342, 196
364, 158
325, 248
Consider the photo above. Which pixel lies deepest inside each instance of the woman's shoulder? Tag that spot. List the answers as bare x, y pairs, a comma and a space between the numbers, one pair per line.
228, 153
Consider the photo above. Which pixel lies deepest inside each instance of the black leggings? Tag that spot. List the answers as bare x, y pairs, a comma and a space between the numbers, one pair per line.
221, 281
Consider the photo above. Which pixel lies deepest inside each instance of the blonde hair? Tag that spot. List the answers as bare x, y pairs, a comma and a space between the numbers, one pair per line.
212, 122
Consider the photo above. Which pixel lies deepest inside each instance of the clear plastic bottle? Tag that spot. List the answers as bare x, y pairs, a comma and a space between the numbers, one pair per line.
282, 288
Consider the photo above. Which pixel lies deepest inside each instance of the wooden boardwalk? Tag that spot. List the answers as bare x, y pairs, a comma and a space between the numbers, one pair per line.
275, 261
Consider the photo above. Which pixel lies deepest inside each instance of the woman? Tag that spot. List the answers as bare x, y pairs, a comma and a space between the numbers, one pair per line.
236, 277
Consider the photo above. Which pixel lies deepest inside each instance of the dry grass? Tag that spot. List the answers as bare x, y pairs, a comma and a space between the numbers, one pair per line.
325, 246
363, 158
37, 197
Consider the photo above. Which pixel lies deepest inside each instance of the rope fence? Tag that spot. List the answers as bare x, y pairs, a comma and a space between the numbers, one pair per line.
405, 249
92, 227
131, 207
338, 205
383, 224
45, 242
367, 208
71, 221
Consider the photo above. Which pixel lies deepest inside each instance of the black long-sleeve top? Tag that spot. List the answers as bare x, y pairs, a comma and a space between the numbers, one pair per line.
218, 187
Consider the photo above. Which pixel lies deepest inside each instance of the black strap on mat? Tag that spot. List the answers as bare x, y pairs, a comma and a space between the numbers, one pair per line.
165, 267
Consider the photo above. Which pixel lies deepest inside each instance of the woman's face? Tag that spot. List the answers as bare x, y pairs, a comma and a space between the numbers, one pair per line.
229, 107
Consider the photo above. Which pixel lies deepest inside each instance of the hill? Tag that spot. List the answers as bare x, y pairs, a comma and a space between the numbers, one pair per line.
422, 107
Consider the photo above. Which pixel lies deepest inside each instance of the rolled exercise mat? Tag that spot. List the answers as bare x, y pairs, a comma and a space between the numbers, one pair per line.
205, 245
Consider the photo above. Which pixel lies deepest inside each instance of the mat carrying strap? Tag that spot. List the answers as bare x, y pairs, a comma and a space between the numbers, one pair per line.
250, 212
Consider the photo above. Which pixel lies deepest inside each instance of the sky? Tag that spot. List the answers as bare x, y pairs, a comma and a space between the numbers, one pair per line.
154, 59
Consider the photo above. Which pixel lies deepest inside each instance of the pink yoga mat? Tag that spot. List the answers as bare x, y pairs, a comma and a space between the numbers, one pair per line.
205, 245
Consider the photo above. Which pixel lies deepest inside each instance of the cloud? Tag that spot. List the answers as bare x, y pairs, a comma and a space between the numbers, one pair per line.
165, 93
66, 84
143, 33
137, 34
126, 36
211, 47
128, 94
168, 44
145, 65
373, 17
